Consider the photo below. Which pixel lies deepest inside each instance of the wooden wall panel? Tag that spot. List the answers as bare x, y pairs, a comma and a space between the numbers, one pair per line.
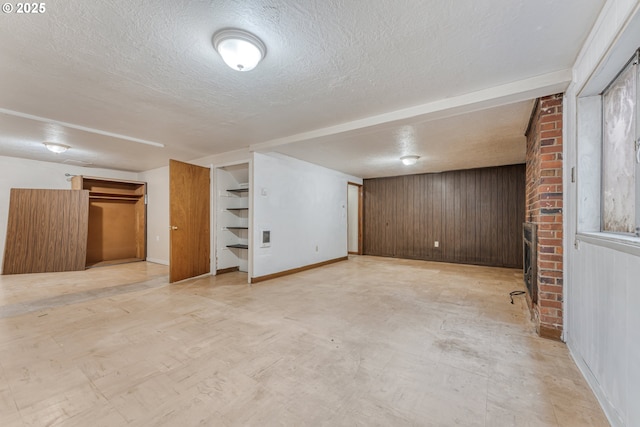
404, 235
475, 215
447, 240
376, 235
46, 231
419, 236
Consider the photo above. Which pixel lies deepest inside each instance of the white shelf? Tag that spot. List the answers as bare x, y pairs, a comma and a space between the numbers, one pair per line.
233, 217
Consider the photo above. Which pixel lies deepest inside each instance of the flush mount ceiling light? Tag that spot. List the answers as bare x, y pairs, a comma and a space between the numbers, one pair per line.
409, 160
55, 147
239, 49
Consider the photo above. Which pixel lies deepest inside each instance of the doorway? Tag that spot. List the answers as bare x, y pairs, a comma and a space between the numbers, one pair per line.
354, 218
233, 224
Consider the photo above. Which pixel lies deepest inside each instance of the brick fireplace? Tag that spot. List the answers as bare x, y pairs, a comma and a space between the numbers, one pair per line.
544, 214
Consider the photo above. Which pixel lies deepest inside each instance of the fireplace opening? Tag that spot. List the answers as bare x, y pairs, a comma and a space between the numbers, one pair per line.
530, 262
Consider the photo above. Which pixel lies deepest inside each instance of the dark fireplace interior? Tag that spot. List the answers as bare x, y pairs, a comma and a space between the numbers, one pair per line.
530, 263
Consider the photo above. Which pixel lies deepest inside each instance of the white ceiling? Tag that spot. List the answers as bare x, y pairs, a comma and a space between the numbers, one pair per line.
350, 85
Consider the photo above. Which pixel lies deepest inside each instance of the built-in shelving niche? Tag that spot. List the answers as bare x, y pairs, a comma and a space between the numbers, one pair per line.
232, 209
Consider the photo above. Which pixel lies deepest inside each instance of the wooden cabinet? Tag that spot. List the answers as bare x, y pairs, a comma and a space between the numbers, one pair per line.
117, 220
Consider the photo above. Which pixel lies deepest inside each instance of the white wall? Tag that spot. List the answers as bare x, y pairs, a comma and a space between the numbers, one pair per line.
313, 216
305, 208
157, 214
602, 274
605, 319
353, 192
224, 159
21, 173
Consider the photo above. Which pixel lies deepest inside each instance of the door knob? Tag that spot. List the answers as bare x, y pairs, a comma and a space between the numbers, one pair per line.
173, 227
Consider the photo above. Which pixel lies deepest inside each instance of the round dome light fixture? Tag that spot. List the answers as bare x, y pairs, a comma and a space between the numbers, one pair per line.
409, 160
54, 147
239, 49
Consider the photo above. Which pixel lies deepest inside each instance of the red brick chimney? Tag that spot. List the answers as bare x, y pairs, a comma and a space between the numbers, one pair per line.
544, 209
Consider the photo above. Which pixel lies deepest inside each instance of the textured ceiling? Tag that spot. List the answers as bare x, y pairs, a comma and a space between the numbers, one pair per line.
488, 137
146, 70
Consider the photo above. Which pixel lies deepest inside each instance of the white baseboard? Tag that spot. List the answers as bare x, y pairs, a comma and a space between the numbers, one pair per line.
609, 409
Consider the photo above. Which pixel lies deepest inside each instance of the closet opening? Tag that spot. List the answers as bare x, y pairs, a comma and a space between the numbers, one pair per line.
117, 220
232, 218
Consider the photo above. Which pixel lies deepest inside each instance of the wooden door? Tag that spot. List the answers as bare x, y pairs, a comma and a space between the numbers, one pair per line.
46, 231
189, 202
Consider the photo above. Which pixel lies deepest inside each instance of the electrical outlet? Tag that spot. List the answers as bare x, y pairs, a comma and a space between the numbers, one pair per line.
316, 248
157, 238
436, 244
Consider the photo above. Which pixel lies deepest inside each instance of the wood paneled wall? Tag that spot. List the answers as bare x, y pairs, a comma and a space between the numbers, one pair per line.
476, 216
46, 231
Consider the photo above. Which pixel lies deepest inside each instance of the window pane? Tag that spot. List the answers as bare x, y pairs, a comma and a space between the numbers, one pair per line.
618, 154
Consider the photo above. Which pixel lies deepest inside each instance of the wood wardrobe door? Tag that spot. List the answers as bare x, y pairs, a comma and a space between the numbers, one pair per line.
46, 231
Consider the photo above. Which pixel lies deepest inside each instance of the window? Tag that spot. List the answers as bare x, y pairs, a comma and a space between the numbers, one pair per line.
621, 153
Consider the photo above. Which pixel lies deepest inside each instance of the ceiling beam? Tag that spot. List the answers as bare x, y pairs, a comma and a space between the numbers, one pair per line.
522, 90
78, 127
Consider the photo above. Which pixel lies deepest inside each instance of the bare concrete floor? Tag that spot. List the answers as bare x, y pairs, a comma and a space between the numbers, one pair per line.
369, 341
